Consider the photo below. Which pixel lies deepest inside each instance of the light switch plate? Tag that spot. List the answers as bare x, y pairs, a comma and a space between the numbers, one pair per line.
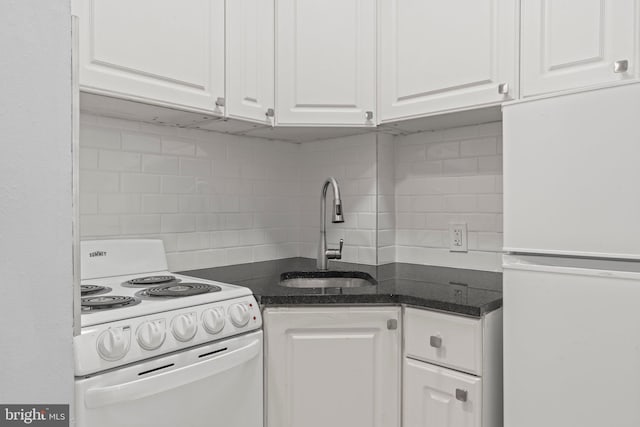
458, 237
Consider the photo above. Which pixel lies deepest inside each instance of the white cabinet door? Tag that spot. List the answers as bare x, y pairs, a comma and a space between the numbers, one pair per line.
438, 55
325, 62
164, 51
570, 44
336, 367
439, 397
249, 60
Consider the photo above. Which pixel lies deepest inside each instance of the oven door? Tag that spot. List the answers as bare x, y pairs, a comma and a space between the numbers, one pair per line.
217, 384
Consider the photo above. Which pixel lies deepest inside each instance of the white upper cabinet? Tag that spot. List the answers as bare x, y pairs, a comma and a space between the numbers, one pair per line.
249, 60
438, 56
163, 51
325, 62
568, 44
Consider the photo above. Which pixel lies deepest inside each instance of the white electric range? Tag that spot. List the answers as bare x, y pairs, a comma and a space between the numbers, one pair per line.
163, 349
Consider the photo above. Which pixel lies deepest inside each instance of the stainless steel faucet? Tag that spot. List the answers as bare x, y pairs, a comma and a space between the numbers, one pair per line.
325, 254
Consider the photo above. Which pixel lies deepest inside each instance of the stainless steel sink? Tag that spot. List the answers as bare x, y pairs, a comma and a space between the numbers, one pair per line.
326, 279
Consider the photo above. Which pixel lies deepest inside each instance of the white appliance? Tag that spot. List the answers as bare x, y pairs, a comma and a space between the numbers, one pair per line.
161, 349
572, 278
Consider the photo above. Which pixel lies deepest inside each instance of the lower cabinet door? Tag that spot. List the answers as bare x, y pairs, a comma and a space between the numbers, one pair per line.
332, 367
438, 397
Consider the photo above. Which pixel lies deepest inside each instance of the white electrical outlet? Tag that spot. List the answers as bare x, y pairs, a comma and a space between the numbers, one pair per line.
458, 237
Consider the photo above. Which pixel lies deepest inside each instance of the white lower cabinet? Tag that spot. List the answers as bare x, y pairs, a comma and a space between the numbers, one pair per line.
434, 395
337, 367
440, 397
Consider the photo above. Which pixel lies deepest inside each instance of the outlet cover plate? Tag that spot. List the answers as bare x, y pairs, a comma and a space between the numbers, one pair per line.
458, 237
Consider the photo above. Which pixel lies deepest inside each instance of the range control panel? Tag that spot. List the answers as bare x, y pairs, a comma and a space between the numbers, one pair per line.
118, 343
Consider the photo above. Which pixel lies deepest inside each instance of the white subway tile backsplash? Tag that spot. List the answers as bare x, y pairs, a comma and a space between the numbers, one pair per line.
460, 203
195, 167
193, 241
460, 166
141, 142
88, 158
459, 181
157, 203
479, 147
491, 165
99, 137
98, 182
176, 147
218, 199
161, 164
178, 184
177, 223
100, 225
443, 150
194, 204
118, 203
88, 204
118, 161
140, 224
139, 183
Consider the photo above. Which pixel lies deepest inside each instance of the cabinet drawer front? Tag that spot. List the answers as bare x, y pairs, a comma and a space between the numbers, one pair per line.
444, 339
439, 397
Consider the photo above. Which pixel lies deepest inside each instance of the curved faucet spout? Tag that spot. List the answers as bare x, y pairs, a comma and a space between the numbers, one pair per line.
325, 254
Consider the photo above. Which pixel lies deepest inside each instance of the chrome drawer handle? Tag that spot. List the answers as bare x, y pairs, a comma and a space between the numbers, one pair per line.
621, 66
503, 88
369, 115
435, 341
461, 395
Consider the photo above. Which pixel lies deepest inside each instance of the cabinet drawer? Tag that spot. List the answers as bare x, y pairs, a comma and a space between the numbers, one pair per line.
439, 397
444, 339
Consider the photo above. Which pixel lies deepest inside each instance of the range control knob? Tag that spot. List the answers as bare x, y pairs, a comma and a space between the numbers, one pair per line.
151, 334
113, 343
239, 314
184, 326
213, 320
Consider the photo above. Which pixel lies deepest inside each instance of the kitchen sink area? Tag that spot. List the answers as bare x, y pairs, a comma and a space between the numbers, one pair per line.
326, 279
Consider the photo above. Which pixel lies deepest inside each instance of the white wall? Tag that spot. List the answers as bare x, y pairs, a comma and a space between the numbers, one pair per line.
444, 177
36, 295
218, 199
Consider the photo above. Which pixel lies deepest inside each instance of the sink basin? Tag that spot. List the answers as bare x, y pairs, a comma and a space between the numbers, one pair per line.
326, 279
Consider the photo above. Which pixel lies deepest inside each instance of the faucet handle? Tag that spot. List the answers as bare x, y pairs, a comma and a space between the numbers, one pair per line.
335, 253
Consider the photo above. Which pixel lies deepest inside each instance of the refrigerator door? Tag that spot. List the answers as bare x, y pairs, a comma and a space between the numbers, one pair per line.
571, 342
571, 174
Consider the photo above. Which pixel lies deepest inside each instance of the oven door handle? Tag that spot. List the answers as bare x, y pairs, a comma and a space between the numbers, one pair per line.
144, 387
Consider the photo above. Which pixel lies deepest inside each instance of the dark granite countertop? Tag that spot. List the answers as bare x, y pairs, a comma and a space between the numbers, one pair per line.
467, 292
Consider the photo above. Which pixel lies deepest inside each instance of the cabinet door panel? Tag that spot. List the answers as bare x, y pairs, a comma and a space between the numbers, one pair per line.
250, 59
569, 44
159, 50
325, 61
437, 56
336, 367
439, 397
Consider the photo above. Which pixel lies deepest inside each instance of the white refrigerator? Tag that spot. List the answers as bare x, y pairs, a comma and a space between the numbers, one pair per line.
572, 268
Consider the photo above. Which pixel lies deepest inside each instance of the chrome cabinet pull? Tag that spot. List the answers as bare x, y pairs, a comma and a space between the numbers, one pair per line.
621, 66
270, 112
392, 324
220, 102
461, 395
369, 115
503, 88
435, 341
